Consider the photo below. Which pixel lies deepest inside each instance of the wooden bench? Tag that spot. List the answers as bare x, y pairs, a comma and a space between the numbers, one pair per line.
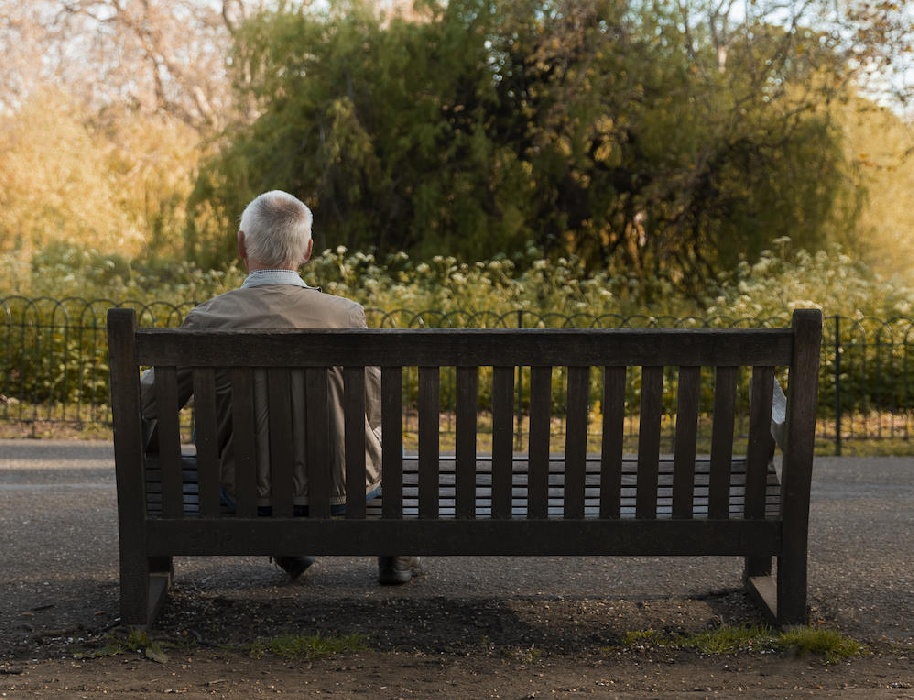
581, 494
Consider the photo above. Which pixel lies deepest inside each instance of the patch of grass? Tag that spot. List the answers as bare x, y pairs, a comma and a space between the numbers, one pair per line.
729, 640
640, 638
296, 646
832, 645
870, 447
135, 642
526, 656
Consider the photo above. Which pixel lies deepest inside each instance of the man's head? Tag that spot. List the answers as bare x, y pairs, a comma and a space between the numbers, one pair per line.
275, 232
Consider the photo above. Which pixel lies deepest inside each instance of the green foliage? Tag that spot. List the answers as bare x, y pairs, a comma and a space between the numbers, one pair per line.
294, 646
135, 641
112, 180
830, 644
833, 645
666, 141
612, 132
53, 181
55, 345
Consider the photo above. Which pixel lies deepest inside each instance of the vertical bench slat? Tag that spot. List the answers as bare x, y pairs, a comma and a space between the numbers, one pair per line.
613, 436
205, 425
576, 409
722, 443
320, 480
761, 444
502, 435
649, 441
467, 410
280, 467
759, 452
354, 414
540, 429
392, 441
687, 400
169, 442
429, 392
244, 442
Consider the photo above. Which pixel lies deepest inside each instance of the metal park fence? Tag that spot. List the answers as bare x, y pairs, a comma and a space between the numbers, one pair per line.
54, 372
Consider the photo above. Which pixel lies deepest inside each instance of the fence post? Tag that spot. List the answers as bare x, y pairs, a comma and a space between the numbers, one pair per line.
838, 385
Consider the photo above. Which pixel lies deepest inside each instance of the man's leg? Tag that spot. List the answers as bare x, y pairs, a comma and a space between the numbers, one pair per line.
394, 570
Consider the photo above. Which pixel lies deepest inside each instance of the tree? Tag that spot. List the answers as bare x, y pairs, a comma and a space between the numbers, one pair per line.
167, 57
55, 184
650, 139
380, 127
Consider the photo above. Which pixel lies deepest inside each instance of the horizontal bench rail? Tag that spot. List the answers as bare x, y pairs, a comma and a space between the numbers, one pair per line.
438, 537
466, 347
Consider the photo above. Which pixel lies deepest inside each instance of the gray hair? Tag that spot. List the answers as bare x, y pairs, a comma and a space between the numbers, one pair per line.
277, 228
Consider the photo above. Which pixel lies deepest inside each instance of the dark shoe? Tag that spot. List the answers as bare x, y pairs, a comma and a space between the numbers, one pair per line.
394, 570
293, 566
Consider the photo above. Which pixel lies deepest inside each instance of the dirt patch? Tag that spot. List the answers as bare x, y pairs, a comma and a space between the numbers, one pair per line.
472, 627
399, 675
517, 647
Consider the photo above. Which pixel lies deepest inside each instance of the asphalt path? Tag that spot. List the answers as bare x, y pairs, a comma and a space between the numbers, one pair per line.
58, 542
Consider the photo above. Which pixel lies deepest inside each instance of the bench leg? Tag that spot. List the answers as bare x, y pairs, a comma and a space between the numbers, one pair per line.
783, 596
763, 589
144, 585
757, 566
792, 590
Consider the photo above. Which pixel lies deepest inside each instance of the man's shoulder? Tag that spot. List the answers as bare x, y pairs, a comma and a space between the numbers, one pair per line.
276, 306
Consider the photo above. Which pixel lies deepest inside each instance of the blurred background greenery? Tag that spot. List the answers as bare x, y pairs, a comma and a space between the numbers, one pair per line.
676, 157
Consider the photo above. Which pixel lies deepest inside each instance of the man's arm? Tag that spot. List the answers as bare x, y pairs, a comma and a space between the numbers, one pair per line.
149, 408
372, 381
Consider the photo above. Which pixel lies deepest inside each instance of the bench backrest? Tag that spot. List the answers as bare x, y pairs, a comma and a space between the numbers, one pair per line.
594, 362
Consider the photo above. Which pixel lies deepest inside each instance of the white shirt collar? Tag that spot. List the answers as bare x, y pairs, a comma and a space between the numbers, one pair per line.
258, 278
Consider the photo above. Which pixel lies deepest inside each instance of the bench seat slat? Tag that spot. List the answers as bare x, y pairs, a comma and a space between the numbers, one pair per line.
517, 496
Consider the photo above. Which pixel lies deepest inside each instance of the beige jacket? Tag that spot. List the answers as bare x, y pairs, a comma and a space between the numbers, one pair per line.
283, 306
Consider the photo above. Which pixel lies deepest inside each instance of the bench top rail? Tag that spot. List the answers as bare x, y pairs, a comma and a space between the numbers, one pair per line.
466, 348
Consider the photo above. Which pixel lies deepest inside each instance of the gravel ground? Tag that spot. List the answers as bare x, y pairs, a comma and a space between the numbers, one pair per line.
58, 536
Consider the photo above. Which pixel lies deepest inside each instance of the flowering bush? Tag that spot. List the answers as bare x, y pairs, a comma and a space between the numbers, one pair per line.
54, 331
769, 288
